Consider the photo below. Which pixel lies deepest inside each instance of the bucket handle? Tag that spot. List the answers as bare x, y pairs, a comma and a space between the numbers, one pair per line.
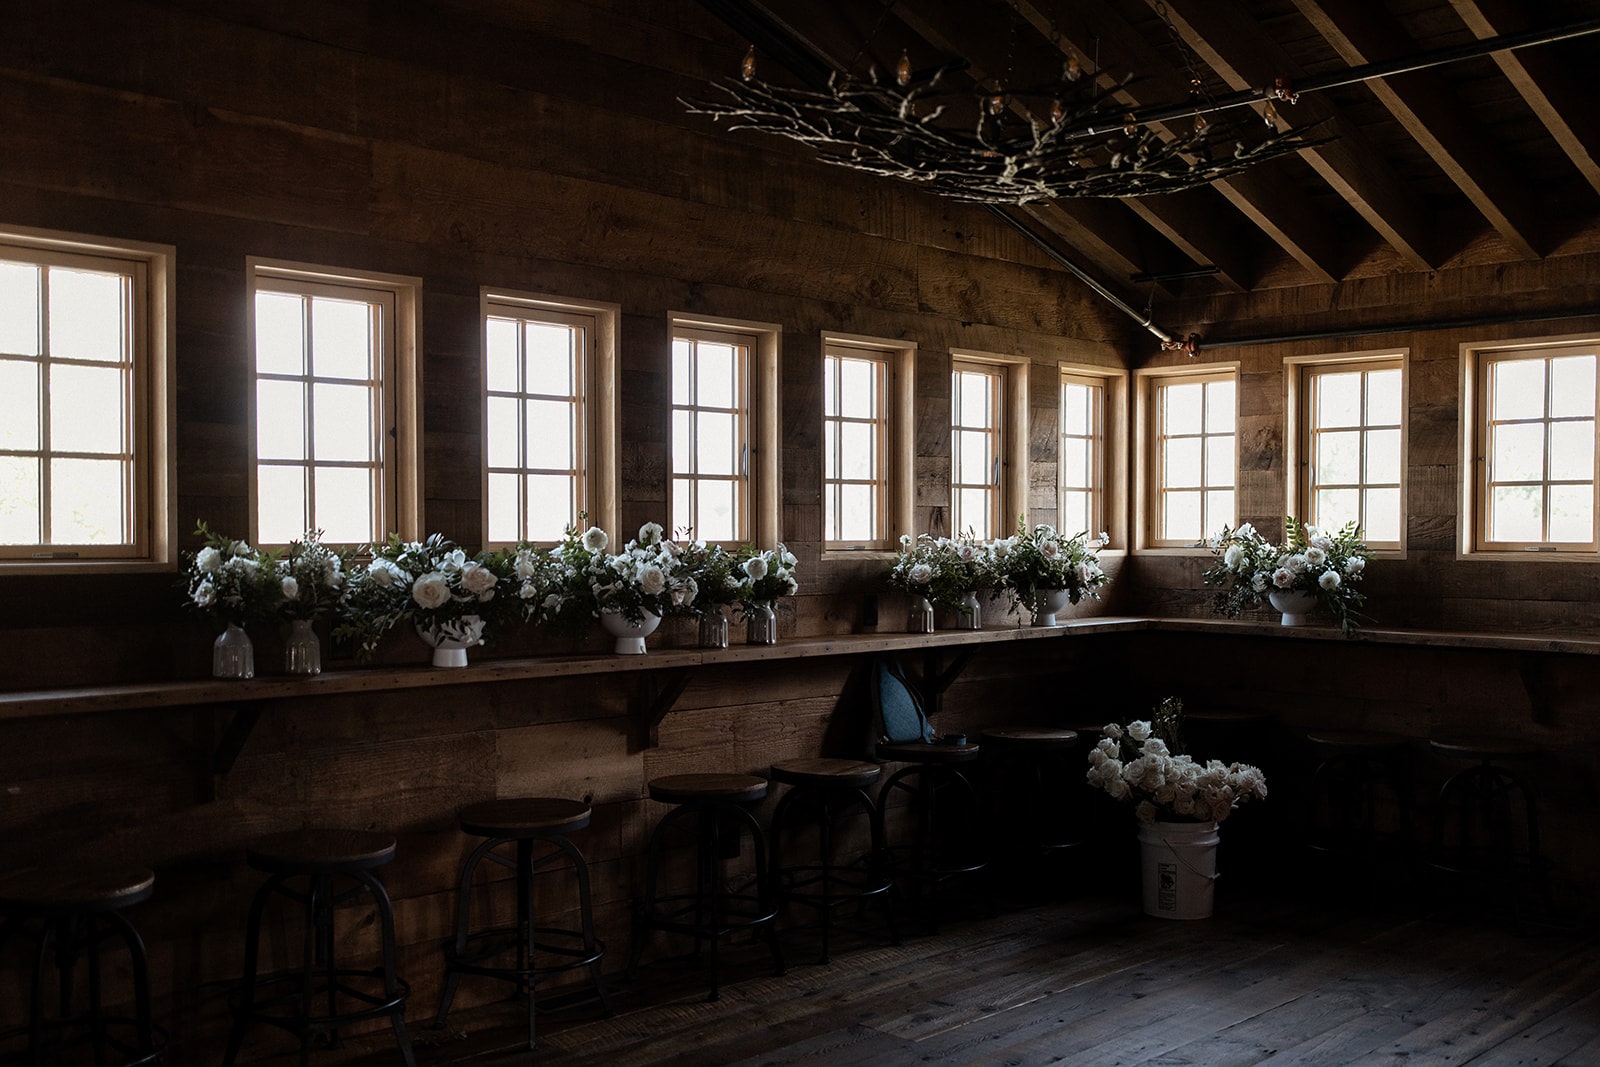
1212, 877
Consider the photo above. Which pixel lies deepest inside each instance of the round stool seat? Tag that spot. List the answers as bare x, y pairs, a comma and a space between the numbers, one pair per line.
59, 892
524, 817
1032, 740
830, 773
1230, 716
1364, 740
320, 851
1483, 748
686, 788
917, 752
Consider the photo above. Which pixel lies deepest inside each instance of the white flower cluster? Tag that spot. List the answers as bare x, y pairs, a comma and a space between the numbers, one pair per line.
311, 577
1310, 560
767, 575
647, 575
1130, 764
226, 577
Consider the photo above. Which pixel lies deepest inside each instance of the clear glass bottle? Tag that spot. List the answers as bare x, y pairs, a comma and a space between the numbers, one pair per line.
302, 652
232, 654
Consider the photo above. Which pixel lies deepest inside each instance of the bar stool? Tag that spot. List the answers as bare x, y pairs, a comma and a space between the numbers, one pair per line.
821, 792
1029, 783
319, 858
1354, 768
713, 806
947, 840
70, 915
1493, 842
523, 822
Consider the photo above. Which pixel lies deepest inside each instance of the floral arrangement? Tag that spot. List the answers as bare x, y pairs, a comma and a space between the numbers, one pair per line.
1250, 568
430, 582
764, 575
1143, 762
539, 582
942, 569
230, 581
646, 576
716, 573
311, 578
1031, 561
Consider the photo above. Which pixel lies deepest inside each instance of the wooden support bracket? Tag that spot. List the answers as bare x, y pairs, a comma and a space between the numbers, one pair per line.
657, 692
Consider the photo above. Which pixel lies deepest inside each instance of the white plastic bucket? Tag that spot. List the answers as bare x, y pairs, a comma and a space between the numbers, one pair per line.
1180, 868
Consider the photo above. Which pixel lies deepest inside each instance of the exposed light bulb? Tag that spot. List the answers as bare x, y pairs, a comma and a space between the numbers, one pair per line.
747, 69
902, 69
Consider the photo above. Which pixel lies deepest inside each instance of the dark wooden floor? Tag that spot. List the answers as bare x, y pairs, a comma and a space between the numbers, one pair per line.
1269, 980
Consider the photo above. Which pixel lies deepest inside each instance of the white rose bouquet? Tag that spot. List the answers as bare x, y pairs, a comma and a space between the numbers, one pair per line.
229, 581
647, 575
311, 578
764, 575
1041, 558
1142, 762
1327, 566
943, 569
716, 574
432, 583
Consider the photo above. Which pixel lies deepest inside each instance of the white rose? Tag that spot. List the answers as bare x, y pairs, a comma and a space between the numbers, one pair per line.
1154, 746
1139, 730
1355, 565
652, 581
551, 603
691, 589
1258, 582
528, 591
1112, 731
1145, 811
1233, 557
1049, 549
650, 533
205, 594
290, 587
595, 539
239, 548
1329, 580
1283, 577
208, 561
1296, 564
920, 573
1245, 530
755, 568
478, 579
524, 565
790, 586
1316, 556
431, 590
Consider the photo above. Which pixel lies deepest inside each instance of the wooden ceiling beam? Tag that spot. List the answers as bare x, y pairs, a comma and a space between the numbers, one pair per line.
1364, 33
1244, 57
1550, 90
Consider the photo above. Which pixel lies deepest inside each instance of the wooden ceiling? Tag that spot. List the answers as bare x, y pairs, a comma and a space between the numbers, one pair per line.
1485, 160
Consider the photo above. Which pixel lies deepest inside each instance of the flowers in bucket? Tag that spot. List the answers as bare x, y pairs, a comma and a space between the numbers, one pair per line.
431, 583
646, 576
311, 578
1037, 560
942, 569
230, 581
1327, 567
1143, 762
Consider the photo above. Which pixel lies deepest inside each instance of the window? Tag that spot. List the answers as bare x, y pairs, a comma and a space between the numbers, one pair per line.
988, 443
1080, 460
723, 434
1191, 471
334, 423
866, 476
548, 422
85, 402
1350, 438
1534, 450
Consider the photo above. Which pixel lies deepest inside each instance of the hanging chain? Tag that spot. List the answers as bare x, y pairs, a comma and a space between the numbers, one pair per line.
1197, 84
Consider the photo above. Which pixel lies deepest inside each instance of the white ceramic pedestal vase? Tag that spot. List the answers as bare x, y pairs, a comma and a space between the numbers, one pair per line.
450, 640
919, 620
302, 652
1295, 604
1046, 602
232, 654
761, 624
629, 635
1179, 861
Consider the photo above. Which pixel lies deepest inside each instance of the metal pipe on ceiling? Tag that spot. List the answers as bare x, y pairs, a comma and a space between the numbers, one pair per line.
1472, 322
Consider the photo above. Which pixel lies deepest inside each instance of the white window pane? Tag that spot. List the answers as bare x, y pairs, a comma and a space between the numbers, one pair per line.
280, 334
19, 501
682, 442
1219, 510
1335, 507
716, 450
1517, 389
344, 504
830, 386
857, 521
1338, 458
1338, 399
1383, 398
280, 421
1516, 513
342, 417
86, 502
972, 507
858, 454
1383, 456
1180, 517
341, 338
974, 464
717, 518
830, 450
85, 316
502, 443
550, 506
1572, 451
1572, 514
19, 404
550, 435
504, 508
1517, 454
1219, 407
1075, 514
682, 379
1383, 515
19, 309
1219, 460
86, 409
1075, 401
550, 359
1182, 467
715, 379
858, 388
683, 508
1572, 386
500, 356
281, 505
1181, 408
974, 405
1074, 461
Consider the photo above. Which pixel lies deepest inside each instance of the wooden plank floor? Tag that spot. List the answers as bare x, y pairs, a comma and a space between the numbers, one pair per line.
1093, 982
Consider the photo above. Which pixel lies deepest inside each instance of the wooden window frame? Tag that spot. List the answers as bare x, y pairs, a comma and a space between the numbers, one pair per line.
596, 450
150, 402
1476, 362
1011, 431
893, 477
398, 431
1148, 519
759, 504
1108, 464
1300, 373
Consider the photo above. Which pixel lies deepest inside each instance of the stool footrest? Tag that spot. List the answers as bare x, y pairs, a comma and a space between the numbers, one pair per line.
550, 940
295, 993
677, 913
